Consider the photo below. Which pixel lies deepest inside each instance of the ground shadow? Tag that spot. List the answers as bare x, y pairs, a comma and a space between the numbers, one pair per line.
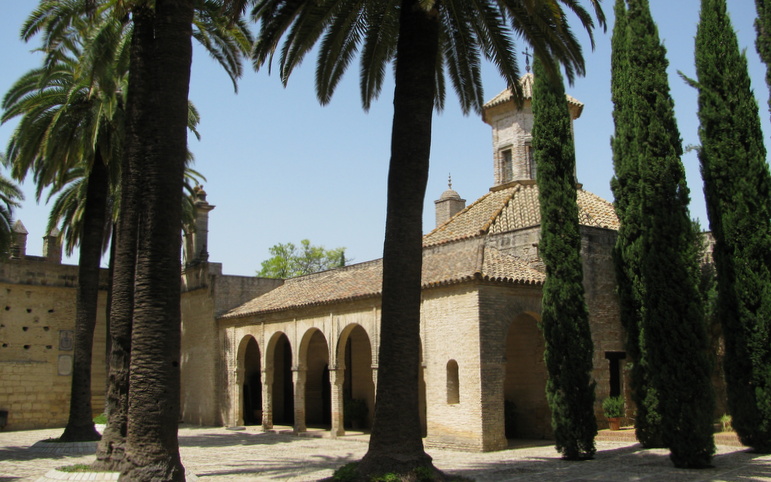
284, 468
625, 463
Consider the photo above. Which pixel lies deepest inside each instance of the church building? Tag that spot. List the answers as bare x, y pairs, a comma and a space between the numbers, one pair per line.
303, 352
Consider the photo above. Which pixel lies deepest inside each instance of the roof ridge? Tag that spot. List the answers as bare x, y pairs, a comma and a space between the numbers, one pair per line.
486, 226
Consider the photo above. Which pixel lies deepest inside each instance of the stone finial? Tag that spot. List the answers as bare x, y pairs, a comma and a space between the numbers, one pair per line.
19, 240
196, 242
52, 246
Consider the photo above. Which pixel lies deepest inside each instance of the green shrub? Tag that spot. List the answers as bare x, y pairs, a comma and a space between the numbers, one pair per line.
725, 421
100, 419
346, 473
613, 407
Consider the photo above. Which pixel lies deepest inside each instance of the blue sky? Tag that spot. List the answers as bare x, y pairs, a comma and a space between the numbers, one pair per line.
281, 168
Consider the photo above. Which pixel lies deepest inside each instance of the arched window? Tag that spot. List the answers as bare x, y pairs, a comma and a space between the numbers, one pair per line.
453, 386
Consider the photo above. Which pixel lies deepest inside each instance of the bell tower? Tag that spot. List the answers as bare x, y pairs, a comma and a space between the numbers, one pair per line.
512, 126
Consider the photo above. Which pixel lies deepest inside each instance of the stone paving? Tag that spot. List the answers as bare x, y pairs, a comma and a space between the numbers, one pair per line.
215, 454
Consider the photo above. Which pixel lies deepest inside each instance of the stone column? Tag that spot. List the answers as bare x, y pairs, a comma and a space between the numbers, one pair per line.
267, 399
298, 377
237, 418
374, 377
336, 379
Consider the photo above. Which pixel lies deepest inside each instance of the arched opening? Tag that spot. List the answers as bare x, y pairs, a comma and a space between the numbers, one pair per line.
283, 396
252, 384
318, 398
453, 384
358, 386
526, 410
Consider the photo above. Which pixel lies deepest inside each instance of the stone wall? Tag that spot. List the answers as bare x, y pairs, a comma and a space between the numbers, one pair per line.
37, 302
207, 293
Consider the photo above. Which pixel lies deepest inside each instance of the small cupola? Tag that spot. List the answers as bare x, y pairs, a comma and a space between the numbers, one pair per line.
448, 205
512, 126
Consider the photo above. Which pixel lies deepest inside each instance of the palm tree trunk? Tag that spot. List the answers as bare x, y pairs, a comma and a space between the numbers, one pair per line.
80, 426
152, 450
139, 127
396, 444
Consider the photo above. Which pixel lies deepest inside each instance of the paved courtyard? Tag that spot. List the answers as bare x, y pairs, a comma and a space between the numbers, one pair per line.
220, 454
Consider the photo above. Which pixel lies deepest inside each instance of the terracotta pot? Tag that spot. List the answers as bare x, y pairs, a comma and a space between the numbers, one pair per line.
614, 423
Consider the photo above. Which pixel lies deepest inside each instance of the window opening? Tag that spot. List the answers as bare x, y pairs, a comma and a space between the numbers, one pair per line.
453, 385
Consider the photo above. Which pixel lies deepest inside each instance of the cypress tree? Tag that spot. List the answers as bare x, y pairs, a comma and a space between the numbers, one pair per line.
565, 320
626, 253
737, 187
763, 39
672, 335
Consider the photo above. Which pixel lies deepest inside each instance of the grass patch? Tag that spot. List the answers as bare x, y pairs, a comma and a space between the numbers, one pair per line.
76, 468
348, 473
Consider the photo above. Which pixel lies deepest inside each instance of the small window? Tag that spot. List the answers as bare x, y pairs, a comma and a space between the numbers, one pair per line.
530, 160
453, 386
507, 168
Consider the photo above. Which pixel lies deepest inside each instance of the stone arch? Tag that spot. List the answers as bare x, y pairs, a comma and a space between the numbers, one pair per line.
249, 381
314, 361
354, 356
526, 410
278, 362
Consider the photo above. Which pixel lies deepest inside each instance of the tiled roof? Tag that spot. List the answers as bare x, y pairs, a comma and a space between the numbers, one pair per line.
454, 252
526, 81
515, 206
441, 266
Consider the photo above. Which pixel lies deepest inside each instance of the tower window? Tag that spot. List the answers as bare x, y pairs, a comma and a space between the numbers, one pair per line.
507, 169
530, 159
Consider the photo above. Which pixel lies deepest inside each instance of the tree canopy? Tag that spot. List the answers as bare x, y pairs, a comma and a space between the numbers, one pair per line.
289, 260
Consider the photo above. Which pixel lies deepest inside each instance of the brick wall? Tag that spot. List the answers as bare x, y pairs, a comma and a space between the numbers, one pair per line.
37, 320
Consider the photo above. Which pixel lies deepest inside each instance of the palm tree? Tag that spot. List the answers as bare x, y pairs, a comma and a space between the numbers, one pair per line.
422, 38
71, 118
66, 26
9, 194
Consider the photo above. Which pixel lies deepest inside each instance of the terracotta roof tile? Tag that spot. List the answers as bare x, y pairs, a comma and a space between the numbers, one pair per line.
454, 252
515, 206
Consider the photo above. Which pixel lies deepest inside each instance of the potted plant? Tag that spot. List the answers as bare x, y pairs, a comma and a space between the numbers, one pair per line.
614, 409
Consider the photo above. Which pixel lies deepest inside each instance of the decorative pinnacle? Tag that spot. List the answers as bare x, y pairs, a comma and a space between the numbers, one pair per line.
449, 181
527, 55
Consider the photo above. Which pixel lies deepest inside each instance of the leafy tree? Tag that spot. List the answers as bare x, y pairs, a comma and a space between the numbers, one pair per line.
289, 261
737, 186
422, 39
627, 251
565, 318
672, 318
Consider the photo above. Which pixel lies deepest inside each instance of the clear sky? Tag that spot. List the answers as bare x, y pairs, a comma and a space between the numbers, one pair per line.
281, 168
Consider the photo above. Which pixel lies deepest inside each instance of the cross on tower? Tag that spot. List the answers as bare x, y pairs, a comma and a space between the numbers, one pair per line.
527, 55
